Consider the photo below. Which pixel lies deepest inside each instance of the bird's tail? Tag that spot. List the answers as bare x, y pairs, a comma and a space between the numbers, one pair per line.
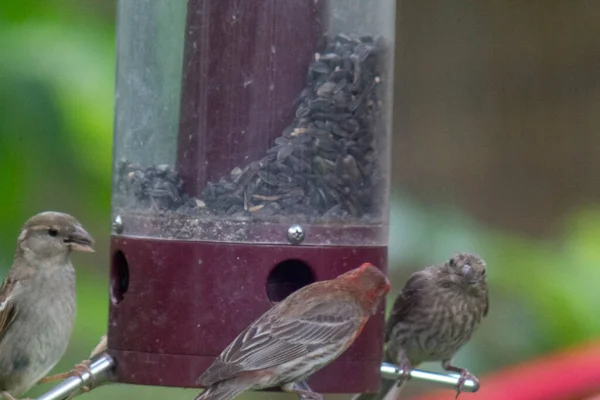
389, 390
225, 390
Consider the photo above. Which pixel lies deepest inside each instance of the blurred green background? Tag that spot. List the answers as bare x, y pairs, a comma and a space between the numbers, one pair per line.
495, 151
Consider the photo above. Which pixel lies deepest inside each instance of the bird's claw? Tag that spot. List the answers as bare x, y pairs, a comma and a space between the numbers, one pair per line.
78, 370
83, 368
403, 369
303, 391
464, 377
308, 395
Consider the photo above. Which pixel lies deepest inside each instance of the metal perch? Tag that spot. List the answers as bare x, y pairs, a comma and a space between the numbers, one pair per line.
102, 367
391, 372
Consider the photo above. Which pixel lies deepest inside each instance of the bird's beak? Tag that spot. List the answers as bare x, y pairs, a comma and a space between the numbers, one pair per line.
80, 240
467, 272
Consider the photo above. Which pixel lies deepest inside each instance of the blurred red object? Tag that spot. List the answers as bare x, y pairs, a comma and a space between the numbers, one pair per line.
572, 374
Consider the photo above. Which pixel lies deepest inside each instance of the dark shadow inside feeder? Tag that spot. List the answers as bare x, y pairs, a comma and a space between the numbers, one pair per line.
287, 277
119, 277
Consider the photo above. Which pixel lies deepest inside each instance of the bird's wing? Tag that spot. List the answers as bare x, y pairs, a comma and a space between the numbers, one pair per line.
7, 304
406, 300
275, 339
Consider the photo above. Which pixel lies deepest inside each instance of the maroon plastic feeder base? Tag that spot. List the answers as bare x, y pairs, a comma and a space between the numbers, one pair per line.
175, 305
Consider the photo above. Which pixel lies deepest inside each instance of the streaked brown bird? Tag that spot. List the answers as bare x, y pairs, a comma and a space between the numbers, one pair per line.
434, 315
37, 300
298, 336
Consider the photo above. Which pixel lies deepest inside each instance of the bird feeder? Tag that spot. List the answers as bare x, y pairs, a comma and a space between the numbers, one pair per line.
251, 158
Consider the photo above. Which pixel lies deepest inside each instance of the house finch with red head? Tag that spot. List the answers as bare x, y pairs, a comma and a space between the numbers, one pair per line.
435, 314
37, 300
298, 336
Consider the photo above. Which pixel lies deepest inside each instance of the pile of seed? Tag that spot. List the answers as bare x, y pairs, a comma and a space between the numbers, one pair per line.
158, 187
325, 164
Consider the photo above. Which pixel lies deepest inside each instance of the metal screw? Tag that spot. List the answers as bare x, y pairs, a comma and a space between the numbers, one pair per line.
118, 224
295, 234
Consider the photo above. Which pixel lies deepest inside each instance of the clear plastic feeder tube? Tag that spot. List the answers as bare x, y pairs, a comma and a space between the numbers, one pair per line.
237, 119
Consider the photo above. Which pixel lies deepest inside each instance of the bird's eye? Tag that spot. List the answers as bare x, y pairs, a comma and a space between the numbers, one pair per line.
52, 232
451, 262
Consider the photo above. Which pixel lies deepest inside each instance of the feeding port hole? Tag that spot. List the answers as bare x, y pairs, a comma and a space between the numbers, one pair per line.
119, 280
287, 277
